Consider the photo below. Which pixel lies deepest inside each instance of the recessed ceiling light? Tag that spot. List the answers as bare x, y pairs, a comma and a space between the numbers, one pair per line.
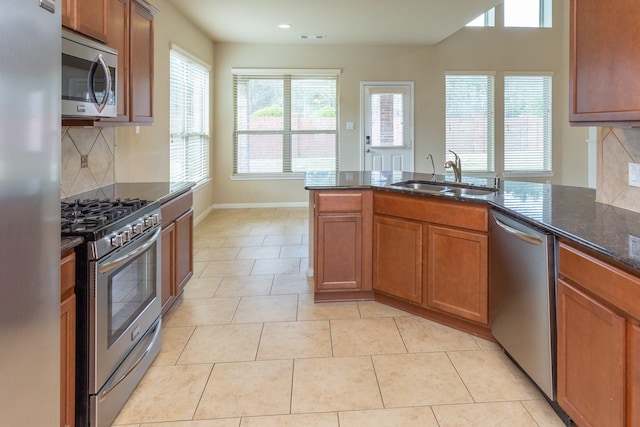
312, 37
284, 26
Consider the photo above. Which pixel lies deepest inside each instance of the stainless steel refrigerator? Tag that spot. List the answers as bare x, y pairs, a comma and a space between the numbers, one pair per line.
30, 213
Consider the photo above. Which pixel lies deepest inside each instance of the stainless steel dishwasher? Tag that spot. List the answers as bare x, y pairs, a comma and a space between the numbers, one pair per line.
522, 297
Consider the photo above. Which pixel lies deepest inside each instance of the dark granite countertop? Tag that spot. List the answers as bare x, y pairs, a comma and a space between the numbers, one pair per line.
152, 191
568, 212
67, 243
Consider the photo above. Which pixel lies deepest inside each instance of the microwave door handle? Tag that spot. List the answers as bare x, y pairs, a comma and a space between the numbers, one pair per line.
99, 62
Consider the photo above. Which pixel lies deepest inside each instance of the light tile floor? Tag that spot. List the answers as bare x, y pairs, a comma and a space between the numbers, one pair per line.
247, 347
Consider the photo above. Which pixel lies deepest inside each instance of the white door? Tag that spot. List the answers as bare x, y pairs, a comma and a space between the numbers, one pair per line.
387, 126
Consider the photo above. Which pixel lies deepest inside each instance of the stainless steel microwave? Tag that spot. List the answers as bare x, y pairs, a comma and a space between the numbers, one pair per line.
89, 73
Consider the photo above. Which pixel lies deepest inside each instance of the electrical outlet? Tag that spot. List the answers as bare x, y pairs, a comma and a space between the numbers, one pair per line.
634, 174
634, 246
84, 161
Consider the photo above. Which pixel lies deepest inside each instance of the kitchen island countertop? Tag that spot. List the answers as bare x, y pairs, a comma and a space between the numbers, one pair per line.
568, 212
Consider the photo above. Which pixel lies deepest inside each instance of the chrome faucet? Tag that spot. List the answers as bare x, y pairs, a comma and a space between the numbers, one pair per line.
433, 167
456, 166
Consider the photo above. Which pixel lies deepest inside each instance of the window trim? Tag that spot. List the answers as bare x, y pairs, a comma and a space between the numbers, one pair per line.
281, 72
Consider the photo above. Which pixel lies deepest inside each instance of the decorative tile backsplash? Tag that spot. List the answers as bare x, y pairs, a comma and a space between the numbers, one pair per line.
617, 147
88, 159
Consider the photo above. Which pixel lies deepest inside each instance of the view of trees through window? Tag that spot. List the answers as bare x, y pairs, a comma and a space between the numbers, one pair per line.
285, 124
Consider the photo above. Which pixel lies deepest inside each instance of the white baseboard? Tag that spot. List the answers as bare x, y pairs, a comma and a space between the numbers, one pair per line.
202, 216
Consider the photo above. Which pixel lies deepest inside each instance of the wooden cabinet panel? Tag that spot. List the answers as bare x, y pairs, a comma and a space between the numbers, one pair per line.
177, 247
141, 63
67, 339
67, 361
339, 252
183, 250
605, 61
591, 359
397, 258
89, 17
168, 266
342, 245
443, 212
118, 38
633, 369
457, 273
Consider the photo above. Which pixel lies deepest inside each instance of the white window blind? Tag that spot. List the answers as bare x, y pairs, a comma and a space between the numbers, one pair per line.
470, 120
285, 123
189, 117
527, 123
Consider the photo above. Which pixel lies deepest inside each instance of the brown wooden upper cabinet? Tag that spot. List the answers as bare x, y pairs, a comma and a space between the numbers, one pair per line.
605, 62
131, 33
88, 17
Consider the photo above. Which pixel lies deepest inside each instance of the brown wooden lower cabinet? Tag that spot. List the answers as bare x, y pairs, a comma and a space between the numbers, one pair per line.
67, 339
591, 360
633, 367
457, 273
177, 247
398, 258
342, 251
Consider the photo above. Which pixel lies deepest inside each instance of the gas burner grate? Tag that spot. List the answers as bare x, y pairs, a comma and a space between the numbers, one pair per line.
89, 215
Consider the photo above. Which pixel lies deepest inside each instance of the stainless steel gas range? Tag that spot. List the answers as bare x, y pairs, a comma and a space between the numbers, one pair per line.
118, 299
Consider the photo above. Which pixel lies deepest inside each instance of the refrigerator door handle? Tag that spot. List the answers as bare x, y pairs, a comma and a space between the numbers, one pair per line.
519, 234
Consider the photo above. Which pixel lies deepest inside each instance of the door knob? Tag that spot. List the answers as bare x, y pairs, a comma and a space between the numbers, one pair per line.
367, 151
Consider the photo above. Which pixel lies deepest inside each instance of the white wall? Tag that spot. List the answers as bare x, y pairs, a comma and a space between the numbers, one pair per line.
145, 156
470, 49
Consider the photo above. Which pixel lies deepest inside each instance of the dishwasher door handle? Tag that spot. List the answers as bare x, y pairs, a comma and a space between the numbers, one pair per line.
519, 234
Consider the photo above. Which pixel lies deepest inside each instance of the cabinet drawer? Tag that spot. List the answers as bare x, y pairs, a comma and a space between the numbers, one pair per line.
342, 201
67, 274
607, 282
429, 209
176, 207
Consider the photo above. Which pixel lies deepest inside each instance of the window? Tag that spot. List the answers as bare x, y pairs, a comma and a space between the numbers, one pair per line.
189, 117
285, 122
487, 19
527, 123
470, 120
527, 13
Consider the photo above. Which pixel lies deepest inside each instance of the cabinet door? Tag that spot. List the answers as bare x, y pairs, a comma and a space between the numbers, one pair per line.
92, 18
605, 61
141, 63
168, 265
339, 252
633, 364
397, 258
183, 251
68, 13
457, 273
118, 38
591, 360
67, 361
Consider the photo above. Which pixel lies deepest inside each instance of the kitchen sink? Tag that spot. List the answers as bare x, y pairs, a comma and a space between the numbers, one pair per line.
425, 186
452, 189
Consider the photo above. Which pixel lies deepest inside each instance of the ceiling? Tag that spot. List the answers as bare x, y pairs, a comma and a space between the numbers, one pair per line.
345, 22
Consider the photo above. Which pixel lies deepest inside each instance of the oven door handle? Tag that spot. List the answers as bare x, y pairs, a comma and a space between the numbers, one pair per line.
125, 258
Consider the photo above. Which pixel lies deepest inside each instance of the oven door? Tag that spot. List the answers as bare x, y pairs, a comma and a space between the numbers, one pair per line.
124, 304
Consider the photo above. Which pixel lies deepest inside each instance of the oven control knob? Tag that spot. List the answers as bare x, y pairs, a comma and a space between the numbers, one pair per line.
148, 221
116, 240
138, 227
126, 236
155, 219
